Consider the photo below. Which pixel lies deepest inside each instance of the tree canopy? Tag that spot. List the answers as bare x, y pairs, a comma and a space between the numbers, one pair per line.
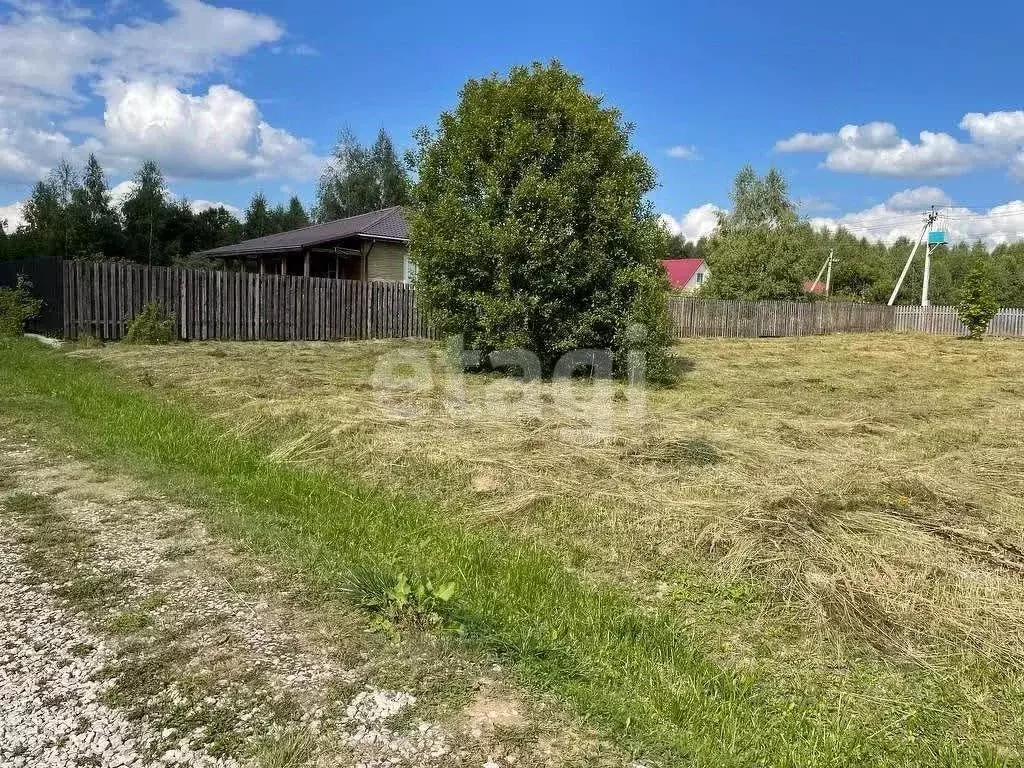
360, 179
755, 252
531, 227
70, 214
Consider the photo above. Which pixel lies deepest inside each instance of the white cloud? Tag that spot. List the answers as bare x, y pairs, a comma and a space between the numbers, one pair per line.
14, 215
894, 219
995, 128
56, 60
197, 38
899, 216
198, 206
46, 53
216, 135
877, 148
695, 223
807, 142
26, 154
918, 198
683, 152
120, 191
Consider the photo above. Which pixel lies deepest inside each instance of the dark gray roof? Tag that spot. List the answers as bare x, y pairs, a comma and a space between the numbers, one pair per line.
388, 224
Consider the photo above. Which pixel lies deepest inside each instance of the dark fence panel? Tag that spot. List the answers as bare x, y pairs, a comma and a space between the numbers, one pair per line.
101, 298
47, 278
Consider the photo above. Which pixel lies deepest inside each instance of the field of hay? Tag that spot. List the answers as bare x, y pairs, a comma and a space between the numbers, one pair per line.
837, 514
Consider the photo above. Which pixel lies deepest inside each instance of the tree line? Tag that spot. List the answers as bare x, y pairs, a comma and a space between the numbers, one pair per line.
762, 249
71, 213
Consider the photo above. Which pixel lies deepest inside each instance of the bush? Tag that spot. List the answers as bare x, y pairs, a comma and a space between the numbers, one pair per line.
153, 325
17, 307
977, 304
530, 228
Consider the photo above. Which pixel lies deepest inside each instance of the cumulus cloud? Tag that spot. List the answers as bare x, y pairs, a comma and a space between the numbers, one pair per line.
26, 153
878, 148
46, 53
895, 218
56, 61
807, 142
198, 206
683, 152
995, 128
13, 214
204, 37
695, 223
918, 198
899, 216
216, 135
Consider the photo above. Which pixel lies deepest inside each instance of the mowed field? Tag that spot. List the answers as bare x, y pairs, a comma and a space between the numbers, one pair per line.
819, 541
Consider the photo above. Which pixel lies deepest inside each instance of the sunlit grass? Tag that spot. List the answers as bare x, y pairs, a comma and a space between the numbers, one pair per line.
657, 577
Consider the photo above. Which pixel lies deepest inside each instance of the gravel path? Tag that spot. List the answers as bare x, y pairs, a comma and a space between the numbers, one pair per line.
129, 636
51, 690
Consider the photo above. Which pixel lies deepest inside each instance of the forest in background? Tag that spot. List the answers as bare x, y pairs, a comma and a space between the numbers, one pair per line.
761, 249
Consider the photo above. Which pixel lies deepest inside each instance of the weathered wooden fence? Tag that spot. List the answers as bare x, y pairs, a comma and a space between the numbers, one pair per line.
943, 320
707, 317
101, 298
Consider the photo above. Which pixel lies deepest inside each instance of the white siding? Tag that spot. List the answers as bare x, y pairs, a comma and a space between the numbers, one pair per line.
699, 278
386, 261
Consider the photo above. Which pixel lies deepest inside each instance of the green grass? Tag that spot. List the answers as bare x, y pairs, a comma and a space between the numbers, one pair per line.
640, 673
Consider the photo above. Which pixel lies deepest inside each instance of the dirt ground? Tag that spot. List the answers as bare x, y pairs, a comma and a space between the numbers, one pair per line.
131, 636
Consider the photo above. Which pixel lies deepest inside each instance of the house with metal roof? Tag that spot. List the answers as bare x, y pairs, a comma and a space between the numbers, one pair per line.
686, 274
370, 246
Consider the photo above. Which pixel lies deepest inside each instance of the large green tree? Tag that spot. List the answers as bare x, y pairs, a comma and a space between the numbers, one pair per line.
360, 179
145, 211
101, 231
530, 226
758, 248
257, 217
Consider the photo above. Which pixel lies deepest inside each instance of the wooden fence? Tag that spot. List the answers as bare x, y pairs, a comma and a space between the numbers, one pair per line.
100, 298
753, 319
943, 320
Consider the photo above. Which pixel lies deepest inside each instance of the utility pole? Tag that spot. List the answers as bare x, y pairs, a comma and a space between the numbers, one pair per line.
930, 248
929, 220
828, 277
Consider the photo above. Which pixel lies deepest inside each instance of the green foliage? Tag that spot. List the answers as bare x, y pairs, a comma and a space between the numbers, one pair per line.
361, 179
977, 305
257, 217
17, 307
754, 253
416, 603
153, 325
530, 226
70, 214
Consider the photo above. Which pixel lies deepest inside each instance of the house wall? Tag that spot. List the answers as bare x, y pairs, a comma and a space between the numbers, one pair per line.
385, 261
699, 278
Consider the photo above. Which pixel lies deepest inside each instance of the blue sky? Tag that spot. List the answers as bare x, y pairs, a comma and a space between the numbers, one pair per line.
241, 96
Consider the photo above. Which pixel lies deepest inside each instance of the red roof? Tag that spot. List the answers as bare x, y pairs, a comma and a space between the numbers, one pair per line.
814, 286
680, 271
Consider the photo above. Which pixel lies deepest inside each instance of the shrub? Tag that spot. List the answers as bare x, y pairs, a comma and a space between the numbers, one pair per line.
977, 304
17, 307
530, 228
153, 325
415, 603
